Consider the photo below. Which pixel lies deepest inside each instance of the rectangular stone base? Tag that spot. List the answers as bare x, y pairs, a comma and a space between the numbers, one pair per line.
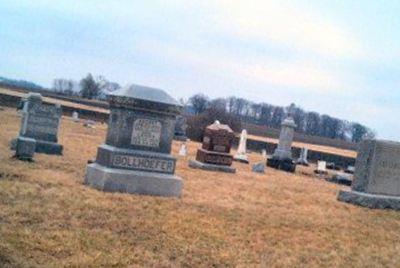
133, 182
241, 159
211, 167
45, 147
285, 165
370, 200
214, 158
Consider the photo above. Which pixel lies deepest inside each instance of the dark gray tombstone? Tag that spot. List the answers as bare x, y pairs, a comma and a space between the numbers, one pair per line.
41, 122
180, 128
376, 181
136, 155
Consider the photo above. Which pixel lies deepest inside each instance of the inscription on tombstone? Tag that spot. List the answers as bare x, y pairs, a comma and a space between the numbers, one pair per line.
146, 132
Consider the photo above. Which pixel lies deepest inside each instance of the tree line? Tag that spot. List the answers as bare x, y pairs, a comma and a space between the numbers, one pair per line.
309, 123
88, 87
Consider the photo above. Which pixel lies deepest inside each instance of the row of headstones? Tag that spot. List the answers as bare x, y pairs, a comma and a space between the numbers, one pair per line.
136, 155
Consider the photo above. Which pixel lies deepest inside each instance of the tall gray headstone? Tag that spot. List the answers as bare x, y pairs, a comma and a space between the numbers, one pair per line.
41, 122
136, 155
376, 181
282, 157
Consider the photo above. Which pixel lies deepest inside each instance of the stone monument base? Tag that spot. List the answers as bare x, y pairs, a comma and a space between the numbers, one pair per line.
25, 148
370, 200
211, 167
285, 165
241, 159
45, 147
132, 181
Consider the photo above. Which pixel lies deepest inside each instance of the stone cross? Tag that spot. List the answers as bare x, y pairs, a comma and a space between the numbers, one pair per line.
376, 181
136, 155
241, 155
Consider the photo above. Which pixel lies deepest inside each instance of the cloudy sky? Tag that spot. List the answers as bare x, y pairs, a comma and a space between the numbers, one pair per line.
339, 57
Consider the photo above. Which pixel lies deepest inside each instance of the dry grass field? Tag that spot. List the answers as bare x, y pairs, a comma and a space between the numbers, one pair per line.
48, 218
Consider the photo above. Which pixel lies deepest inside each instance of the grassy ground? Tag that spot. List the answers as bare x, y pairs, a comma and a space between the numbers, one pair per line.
49, 219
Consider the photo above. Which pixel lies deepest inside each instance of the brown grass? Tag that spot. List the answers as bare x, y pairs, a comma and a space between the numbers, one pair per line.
49, 219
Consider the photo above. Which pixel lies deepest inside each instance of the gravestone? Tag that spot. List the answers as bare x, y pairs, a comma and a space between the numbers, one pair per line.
350, 170
282, 157
215, 151
241, 155
376, 182
321, 168
180, 128
75, 116
136, 155
258, 167
183, 149
40, 122
303, 157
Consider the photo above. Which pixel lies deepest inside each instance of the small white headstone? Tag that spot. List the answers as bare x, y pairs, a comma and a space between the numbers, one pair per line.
75, 116
183, 150
321, 166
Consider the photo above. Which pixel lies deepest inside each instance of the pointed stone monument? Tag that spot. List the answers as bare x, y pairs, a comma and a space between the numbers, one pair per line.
282, 157
241, 155
136, 155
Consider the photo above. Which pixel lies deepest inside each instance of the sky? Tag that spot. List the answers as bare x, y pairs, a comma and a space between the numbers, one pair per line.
340, 58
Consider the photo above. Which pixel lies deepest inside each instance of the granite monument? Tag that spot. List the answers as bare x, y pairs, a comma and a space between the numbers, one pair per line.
282, 157
40, 122
215, 151
136, 155
376, 182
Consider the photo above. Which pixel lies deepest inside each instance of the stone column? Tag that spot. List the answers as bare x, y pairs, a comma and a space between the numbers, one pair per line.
241, 155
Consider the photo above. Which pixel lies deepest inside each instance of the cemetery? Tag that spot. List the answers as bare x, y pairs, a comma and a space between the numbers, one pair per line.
56, 211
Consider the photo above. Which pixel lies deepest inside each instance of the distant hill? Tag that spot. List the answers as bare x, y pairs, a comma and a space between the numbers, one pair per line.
23, 84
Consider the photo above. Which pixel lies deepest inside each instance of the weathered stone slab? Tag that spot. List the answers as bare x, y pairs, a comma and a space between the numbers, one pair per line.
377, 175
211, 167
